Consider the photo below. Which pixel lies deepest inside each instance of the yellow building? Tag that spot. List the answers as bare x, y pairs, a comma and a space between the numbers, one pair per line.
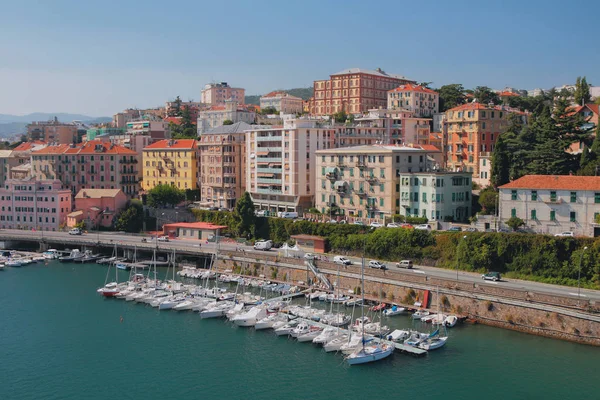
173, 162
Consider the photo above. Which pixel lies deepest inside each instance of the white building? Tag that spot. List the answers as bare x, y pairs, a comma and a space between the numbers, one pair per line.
485, 170
218, 93
280, 169
216, 115
553, 203
282, 102
436, 195
422, 101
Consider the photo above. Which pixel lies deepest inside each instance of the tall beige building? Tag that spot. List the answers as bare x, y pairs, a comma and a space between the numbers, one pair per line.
422, 101
215, 94
223, 165
364, 181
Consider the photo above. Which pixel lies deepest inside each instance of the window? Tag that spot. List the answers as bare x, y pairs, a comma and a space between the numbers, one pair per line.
534, 195
513, 194
573, 216
484, 160
513, 213
533, 215
596, 198
573, 197
552, 196
552, 215
381, 201
382, 187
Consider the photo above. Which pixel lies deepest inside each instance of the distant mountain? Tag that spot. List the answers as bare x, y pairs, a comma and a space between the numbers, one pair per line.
12, 129
62, 117
303, 93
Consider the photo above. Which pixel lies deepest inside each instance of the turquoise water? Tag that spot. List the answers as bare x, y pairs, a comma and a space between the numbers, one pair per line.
61, 340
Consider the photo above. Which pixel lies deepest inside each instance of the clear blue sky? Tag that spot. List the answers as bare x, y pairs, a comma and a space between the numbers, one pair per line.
98, 57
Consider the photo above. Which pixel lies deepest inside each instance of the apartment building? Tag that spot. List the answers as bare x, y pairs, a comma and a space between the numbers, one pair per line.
422, 101
93, 133
121, 119
53, 131
472, 132
363, 181
436, 195
280, 167
215, 94
223, 165
94, 165
283, 102
217, 115
171, 162
553, 203
34, 204
354, 90
97, 207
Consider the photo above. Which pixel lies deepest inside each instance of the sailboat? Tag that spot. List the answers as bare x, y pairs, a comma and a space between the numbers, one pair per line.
374, 352
434, 340
110, 289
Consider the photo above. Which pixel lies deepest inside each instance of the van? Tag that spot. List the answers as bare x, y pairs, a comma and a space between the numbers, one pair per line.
264, 245
405, 264
376, 264
288, 214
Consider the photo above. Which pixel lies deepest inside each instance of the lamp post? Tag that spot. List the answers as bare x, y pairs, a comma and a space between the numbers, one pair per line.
459, 243
579, 273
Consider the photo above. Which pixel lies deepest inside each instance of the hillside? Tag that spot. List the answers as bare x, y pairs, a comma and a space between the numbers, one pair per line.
63, 117
303, 93
12, 128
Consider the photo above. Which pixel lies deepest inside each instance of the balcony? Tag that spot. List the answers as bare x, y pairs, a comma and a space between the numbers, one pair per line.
134, 161
268, 159
361, 193
269, 180
556, 200
269, 138
360, 164
269, 149
372, 179
268, 191
268, 170
371, 207
129, 182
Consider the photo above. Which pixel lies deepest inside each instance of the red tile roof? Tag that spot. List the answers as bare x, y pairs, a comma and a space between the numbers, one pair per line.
507, 94
555, 182
479, 106
175, 144
413, 88
175, 120
195, 225
54, 149
217, 108
429, 147
275, 94
86, 148
29, 145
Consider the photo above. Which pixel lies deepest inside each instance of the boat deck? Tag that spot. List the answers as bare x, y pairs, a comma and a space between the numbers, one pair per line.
409, 349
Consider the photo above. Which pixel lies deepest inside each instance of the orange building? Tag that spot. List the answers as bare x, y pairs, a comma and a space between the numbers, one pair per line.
354, 90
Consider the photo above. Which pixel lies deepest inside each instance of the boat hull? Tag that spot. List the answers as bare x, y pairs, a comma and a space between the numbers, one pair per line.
363, 358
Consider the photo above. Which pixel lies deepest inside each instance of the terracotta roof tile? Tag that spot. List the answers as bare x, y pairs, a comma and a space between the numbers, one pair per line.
555, 182
175, 144
195, 225
413, 88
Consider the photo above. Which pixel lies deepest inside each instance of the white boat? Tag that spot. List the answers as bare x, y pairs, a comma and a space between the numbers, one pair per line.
251, 317
433, 343
233, 312
184, 305
427, 318
450, 321
326, 335
269, 321
301, 329
352, 345
287, 328
51, 254
109, 290
218, 310
202, 304
369, 354
74, 255
420, 314
395, 310
415, 338
438, 319
312, 333
13, 263
1, 266
398, 335
170, 303
336, 342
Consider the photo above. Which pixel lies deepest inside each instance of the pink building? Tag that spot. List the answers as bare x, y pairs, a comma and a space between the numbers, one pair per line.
218, 93
97, 207
31, 204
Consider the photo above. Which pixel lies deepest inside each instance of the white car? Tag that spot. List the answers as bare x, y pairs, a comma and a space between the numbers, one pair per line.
341, 260
358, 223
423, 227
309, 256
375, 225
163, 238
376, 264
332, 221
75, 231
565, 234
393, 225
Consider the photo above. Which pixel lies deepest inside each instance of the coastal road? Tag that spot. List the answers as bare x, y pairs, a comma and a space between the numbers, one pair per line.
184, 244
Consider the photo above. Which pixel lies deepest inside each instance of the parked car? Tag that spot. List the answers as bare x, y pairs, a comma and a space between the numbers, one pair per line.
163, 238
309, 256
504, 230
471, 229
288, 214
375, 225
491, 276
393, 225
358, 223
376, 264
263, 245
260, 213
455, 229
343, 222
341, 260
75, 231
408, 264
407, 226
331, 221
565, 234
423, 227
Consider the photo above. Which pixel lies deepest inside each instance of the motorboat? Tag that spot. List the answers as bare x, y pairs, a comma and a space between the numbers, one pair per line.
398, 335
438, 319
122, 266
88, 257
427, 318
369, 354
353, 302
312, 333
433, 343
233, 312
415, 338
75, 254
1, 266
13, 263
379, 307
301, 329
170, 303
251, 317
184, 305
393, 311
51, 254
269, 321
287, 328
450, 321
326, 335
218, 310
109, 290
336, 319
202, 304
336, 342
420, 314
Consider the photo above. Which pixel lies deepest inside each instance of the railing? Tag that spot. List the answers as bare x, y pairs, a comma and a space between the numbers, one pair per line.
268, 170
269, 138
268, 191
268, 180
268, 159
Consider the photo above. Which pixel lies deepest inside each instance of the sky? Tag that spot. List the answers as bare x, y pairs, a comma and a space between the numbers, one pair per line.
99, 57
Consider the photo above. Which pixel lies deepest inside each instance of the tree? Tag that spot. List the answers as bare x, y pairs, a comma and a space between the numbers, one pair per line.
244, 211
488, 199
176, 110
485, 95
451, 96
269, 111
515, 223
132, 218
582, 95
228, 122
340, 116
165, 195
500, 169
425, 84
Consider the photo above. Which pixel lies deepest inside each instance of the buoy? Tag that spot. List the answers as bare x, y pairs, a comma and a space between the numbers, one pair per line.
121, 319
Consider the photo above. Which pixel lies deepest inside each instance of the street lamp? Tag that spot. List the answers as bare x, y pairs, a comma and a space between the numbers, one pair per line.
459, 243
579, 273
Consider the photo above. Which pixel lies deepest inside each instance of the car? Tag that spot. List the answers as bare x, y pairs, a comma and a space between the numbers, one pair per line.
260, 213
343, 222
471, 229
358, 223
163, 238
393, 225
223, 209
265, 245
408, 264
376, 264
331, 221
407, 226
504, 230
423, 227
376, 225
341, 260
75, 231
491, 276
565, 234
455, 229
213, 208
309, 256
